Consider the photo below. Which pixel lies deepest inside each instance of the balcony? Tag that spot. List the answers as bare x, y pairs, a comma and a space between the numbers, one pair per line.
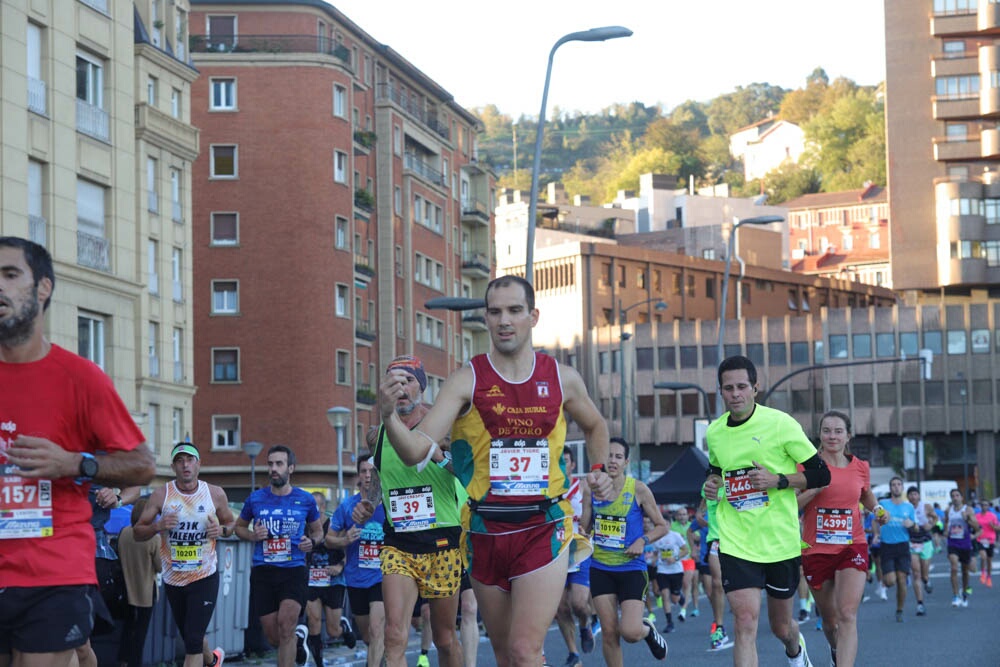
954, 24
38, 229
363, 267
365, 395
988, 17
949, 108
386, 92
475, 265
950, 65
365, 331
364, 202
92, 121
36, 96
474, 320
162, 129
274, 44
413, 163
364, 141
93, 251
948, 149
475, 211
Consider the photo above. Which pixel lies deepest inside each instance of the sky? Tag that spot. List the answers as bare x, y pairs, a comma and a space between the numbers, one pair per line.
496, 52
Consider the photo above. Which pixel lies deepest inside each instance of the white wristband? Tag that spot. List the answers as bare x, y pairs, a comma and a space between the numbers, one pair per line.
430, 454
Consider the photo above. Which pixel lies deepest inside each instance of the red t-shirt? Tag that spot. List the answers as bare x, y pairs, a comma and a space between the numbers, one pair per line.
73, 403
833, 519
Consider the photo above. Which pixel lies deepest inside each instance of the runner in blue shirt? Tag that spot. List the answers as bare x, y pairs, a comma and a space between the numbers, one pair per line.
895, 538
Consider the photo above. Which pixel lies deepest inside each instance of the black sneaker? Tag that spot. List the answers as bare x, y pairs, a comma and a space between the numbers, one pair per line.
586, 639
350, 639
301, 652
657, 645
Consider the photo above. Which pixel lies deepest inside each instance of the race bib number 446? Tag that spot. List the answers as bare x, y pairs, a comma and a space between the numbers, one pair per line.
741, 494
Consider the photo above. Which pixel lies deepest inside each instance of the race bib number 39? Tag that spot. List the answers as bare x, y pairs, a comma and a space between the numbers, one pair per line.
834, 526
519, 467
741, 494
412, 509
25, 506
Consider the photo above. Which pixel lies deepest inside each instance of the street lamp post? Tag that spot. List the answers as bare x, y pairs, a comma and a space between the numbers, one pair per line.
965, 435
680, 386
737, 223
338, 417
593, 35
622, 337
252, 449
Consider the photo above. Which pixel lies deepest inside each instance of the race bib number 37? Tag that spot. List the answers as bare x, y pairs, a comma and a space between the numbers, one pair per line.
741, 494
25, 506
519, 467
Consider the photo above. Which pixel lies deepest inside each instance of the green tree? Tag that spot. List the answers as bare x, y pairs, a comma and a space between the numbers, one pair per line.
744, 106
789, 181
846, 142
800, 105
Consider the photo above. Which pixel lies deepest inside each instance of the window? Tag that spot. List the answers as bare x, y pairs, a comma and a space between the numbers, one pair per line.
153, 349
152, 90
397, 200
90, 338
667, 358
838, 346
343, 367
91, 118
397, 140
952, 48
980, 341
709, 356
339, 101
776, 354
933, 341
37, 225
755, 353
225, 432
93, 247
177, 273
800, 353
340, 166
225, 297
689, 356
224, 162
908, 343
957, 87
177, 345
177, 426
223, 94
225, 228
222, 30
874, 241
175, 103
340, 234
153, 261
152, 192
957, 342
862, 346
225, 365
644, 358
885, 345
36, 82
153, 427
340, 303
176, 206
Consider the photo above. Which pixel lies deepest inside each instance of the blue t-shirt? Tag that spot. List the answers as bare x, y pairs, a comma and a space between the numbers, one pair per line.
286, 518
893, 532
363, 568
703, 542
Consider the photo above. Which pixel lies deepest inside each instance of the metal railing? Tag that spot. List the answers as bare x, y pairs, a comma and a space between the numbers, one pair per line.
36, 95
92, 120
93, 251
475, 260
386, 91
427, 172
269, 44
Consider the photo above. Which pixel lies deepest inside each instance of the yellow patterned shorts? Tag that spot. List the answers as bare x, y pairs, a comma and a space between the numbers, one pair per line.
437, 574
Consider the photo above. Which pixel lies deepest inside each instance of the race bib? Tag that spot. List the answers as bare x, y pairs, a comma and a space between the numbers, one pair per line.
185, 557
714, 549
956, 531
25, 505
519, 467
368, 554
609, 531
741, 494
277, 549
834, 526
412, 509
318, 576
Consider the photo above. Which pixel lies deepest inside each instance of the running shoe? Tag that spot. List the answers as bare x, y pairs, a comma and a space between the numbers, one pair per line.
899, 615
586, 640
423, 661
803, 615
595, 625
682, 613
573, 660
883, 592
802, 659
220, 656
819, 622
928, 587
651, 617
968, 591
695, 612
350, 639
657, 645
301, 650
956, 601
718, 637
668, 628
921, 609
989, 581
965, 602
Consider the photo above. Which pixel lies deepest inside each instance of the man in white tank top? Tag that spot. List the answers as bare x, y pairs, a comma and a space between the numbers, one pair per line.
191, 514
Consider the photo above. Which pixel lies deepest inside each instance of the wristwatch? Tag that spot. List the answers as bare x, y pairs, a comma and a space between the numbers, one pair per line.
88, 468
443, 463
782, 481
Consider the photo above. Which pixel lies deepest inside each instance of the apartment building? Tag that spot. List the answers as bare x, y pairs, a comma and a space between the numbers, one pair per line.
842, 234
338, 191
98, 147
943, 142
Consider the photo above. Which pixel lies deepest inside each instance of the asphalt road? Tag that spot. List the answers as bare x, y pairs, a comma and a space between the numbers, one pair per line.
946, 636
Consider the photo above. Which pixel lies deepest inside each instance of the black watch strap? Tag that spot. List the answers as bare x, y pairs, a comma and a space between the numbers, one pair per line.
782, 481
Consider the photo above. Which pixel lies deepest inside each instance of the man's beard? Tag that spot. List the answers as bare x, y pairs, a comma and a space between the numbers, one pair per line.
18, 327
279, 481
404, 410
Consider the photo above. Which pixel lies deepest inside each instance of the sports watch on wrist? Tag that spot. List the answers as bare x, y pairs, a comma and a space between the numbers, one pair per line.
88, 468
782, 481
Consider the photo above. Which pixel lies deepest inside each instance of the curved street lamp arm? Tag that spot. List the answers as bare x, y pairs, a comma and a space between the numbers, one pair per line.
873, 362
